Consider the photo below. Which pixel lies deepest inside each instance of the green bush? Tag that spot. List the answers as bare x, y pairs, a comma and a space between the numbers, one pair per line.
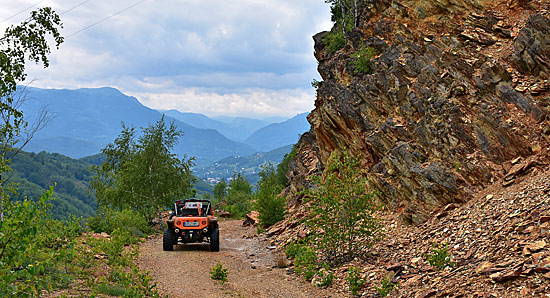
440, 257
36, 250
306, 263
305, 259
108, 220
334, 41
386, 286
112, 290
219, 273
342, 208
270, 205
362, 62
354, 280
326, 276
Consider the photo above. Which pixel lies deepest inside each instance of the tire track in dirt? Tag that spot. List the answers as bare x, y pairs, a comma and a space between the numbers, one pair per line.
253, 270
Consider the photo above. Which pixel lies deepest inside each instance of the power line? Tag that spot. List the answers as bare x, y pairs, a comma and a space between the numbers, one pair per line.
22, 11
103, 20
78, 5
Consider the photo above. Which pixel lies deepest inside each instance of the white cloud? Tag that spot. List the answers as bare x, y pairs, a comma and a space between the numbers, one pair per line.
257, 103
172, 46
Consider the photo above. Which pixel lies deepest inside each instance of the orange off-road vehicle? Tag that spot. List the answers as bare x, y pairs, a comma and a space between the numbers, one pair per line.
192, 221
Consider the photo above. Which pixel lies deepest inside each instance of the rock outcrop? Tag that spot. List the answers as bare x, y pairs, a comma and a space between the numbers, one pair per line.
456, 94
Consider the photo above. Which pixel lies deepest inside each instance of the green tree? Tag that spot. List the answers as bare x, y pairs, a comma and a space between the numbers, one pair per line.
21, 43
343, 210
143, 174
239, 196
269, 203
220, 191
283, 167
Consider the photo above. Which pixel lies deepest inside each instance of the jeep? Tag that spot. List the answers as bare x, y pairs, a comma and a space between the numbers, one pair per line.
191, 221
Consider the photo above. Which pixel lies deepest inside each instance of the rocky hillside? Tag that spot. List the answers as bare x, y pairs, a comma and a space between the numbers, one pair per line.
456, 93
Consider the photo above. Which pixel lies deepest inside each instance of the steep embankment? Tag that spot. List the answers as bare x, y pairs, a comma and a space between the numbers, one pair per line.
451, 125
458, 91
498, 241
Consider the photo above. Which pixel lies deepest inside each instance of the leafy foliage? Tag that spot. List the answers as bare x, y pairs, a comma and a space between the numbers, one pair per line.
344, 22
219, 273
305, 262
108, 220
334, 41
326, 276
220, 191
354, 280
342, 208
21, 43
439, 256
269, 203
386, 286
239, 195
363, 57
123, 277
143, 175
35, 250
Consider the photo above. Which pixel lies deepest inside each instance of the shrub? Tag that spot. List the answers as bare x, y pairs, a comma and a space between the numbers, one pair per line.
238, 196
270, 205
326, 276
35, 249
306, 262
108, 220
334, 41
342, 208
386, 286
305, 259
354, 280
315, 84
362, 63
114, 247
440, 257
219, 273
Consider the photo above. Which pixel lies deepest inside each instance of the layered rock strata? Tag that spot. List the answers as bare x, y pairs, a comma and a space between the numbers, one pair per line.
456, 94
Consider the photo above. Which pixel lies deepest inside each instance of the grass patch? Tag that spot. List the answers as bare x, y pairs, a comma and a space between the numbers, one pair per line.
112, 290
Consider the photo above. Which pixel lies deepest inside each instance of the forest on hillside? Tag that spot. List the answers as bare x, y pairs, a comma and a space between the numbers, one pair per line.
34, 173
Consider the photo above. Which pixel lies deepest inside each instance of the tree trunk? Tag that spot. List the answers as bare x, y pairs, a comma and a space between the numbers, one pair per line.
343, 9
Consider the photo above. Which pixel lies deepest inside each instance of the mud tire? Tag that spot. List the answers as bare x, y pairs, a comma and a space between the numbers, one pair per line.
168, 240
215, 240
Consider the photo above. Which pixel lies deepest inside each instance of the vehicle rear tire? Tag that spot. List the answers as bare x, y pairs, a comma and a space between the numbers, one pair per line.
215, 240
168, 240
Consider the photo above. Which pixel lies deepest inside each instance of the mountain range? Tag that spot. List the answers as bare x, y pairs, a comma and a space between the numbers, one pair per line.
85, 120
234, 128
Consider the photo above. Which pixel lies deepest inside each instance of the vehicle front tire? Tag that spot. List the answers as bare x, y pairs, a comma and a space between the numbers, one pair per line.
168, 240
215, 240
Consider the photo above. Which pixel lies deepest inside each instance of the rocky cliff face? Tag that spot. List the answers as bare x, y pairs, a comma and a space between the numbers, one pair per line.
459, 91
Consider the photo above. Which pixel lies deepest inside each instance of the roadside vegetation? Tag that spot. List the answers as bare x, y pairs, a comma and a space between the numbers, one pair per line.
341, 221
239, 197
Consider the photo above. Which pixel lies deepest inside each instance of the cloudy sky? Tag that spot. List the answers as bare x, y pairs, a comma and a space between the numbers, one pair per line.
249, 58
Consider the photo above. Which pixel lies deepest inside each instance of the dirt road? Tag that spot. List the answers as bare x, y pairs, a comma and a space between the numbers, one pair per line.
253, 270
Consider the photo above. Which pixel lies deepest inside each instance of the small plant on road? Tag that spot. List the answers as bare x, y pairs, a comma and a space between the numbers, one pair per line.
440, 257
219, 273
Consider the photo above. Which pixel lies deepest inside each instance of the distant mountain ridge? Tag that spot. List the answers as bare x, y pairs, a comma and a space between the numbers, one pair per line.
88, 119
279, 134
236, 129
